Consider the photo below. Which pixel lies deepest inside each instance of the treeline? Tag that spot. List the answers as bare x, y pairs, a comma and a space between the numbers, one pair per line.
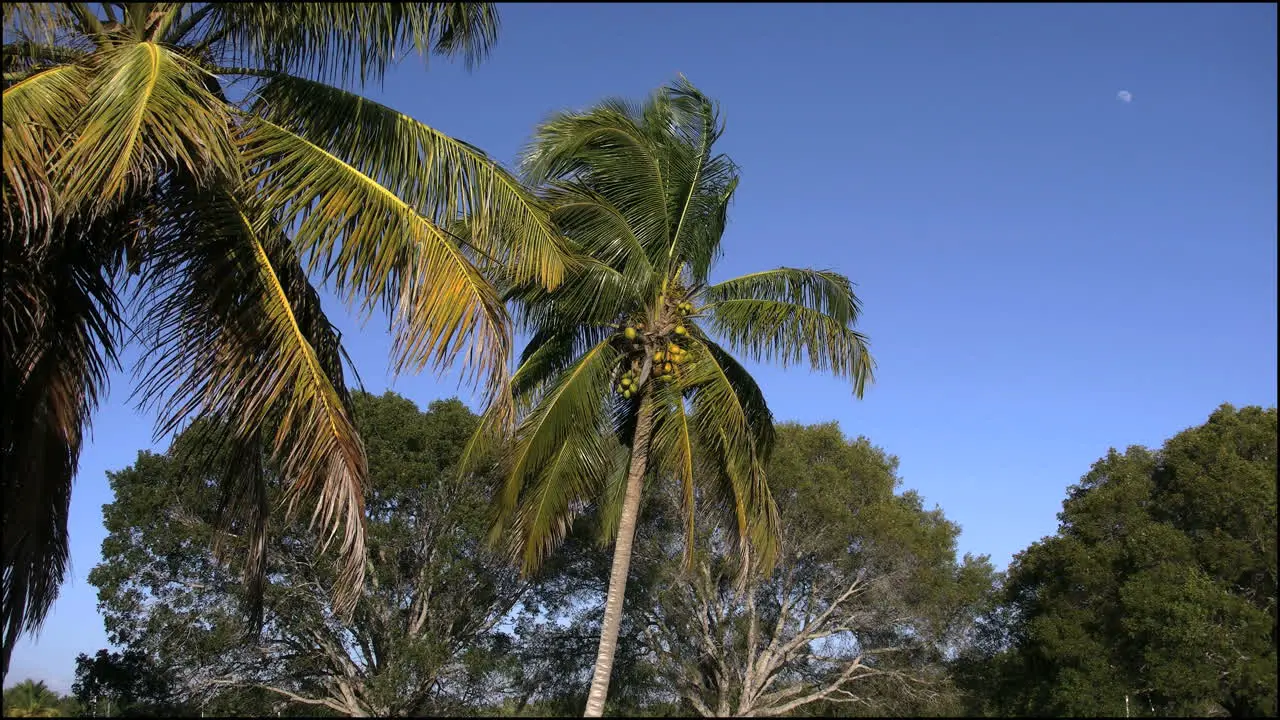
1156, 597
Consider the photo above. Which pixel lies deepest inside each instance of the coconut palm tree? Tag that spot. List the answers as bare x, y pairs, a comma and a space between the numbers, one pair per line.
177, 175
32, 699
630, 371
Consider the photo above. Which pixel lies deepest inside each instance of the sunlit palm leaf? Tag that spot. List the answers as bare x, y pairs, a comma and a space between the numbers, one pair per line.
674, 453
785, 332
440, 177
375, 245
148, 110
38, 111
608, 151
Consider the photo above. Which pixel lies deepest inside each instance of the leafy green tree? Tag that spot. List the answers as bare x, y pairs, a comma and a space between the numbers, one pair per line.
622, 379
30, 698
1158, 594
424, 637
127, 684
131, 164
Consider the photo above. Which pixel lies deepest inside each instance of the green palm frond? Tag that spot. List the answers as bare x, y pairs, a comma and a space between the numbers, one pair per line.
781, 315
343, 42
571, 477
441, 178
734, 427
593, 295
148, 110
674, 453
572, 413
38, 111
697, 183
608, 151
600, 230
608, 503
38, 22
117, 110
374, 246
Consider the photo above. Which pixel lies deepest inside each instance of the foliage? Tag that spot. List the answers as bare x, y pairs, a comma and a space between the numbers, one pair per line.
189, 165
30, 698
127, 684
629, 371
1158, 594
424, 635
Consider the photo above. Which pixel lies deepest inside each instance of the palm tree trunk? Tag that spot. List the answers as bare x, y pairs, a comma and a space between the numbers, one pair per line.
621, 560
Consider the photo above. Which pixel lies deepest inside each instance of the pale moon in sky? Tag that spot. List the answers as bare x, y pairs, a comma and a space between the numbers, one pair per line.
1125, 96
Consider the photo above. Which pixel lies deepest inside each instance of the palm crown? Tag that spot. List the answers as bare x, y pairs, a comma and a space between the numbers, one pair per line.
129, 165
636, 346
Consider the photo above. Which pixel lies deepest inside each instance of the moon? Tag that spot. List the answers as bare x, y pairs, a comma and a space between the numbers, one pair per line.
1124, 96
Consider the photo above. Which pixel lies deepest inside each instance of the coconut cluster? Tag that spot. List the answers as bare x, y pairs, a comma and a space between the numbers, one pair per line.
667, 357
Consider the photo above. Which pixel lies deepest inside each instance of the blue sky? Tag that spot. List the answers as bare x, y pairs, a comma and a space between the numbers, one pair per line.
1047, 271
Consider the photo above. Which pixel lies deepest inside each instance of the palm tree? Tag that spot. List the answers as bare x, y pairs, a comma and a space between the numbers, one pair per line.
150, 198
32, 699
622, 378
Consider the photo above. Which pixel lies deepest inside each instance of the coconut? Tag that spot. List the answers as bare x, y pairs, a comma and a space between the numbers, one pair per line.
680, 330
630, 332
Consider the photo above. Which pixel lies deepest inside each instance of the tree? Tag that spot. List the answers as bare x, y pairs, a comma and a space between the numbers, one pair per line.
863, 608
622, 379
424, 636
132, 164
1158, 593
127, 684
30, 698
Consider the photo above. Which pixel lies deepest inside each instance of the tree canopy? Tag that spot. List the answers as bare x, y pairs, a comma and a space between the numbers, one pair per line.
423, 631
1157, 596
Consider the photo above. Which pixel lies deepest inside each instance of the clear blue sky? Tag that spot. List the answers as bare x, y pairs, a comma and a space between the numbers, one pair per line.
1047, 271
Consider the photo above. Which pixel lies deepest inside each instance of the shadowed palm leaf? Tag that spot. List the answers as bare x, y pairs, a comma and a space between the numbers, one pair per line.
123, 151
633, 350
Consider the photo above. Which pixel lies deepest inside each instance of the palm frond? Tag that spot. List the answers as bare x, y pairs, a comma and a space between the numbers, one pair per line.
238, 335
782, 315
374, 245
39, 22
594, 295
674, 453
148, 111
695, 181
734, 428
60, 336
441, 178
608, 151
38, 112
569, 413
561, 489
353, 42
608, 503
